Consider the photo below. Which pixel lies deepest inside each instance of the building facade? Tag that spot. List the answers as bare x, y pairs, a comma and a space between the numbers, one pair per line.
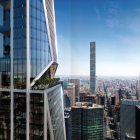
66, 99
77, 83
28, 52
67, 113
92, 67
137, 121
127, 117
87, 122
71, 93
87, 97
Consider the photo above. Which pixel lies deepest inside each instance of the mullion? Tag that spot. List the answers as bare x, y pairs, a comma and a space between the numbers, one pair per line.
33, 116
39, 115
18, 123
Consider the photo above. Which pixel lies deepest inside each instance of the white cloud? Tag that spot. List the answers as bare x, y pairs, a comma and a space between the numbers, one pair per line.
98, 13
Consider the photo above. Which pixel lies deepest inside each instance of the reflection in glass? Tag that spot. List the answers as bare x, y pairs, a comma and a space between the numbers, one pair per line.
20, 116
39, 47
19, 44
36, 116
4, 115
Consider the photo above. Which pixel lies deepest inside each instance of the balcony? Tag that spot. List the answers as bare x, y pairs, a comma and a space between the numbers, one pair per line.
6, 4
5, 30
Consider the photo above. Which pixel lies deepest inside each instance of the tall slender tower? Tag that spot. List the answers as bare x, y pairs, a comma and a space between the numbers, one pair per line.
28, 52
92, 67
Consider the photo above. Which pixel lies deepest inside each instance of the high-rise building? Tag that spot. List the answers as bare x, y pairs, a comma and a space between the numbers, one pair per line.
29, 110
77, 83
127, 118
102, 100
71, 93
87, 122
92, 67
137, 121
66, 99
67, 113
87, 97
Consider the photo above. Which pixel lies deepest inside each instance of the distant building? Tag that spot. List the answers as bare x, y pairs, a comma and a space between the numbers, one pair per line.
117, 101
113, 100
76, 82
87, 97
67, 113
137, 121
71, 93
87, 121
66, 99
127, 117
92, 67
102, 100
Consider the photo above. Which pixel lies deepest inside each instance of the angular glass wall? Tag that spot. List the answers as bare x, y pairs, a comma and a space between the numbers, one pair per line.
5, 115
5, 66
39, 45
19, 44
56, 113
36, 116
51, 21
19, 116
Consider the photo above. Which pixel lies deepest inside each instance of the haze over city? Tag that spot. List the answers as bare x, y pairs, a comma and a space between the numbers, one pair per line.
113, 25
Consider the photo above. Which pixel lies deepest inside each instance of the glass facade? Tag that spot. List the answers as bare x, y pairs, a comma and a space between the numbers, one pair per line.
127, 124
5, 115
19, 44
36, 116
87, 123
39, 46
56, 113
19, 116
5, 65
13, 119
49, 7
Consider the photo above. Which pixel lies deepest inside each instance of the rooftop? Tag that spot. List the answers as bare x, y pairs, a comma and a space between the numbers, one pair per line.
87, 105
70, 84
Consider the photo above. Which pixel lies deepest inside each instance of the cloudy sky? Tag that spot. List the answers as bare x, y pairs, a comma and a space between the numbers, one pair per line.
115, 27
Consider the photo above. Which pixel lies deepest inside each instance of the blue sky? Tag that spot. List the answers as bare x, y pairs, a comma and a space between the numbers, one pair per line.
115, 27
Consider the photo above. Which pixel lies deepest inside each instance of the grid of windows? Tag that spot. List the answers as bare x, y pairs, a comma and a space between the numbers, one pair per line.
19, 44
36, 116
19, 116
87, 123
5, 53
92, 67
39, 46
56, 113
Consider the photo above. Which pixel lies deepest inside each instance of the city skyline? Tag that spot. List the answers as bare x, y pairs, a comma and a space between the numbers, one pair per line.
111, 24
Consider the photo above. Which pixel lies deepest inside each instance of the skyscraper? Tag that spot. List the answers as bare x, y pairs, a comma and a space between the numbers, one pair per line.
127, 118
87, 121
67, 113
71, 93
92, 67
28, 52
137, 121
76, 82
